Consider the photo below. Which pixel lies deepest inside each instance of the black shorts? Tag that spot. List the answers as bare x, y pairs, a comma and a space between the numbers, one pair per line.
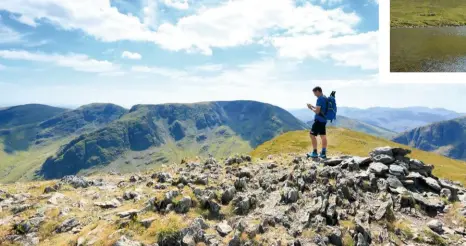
318, 128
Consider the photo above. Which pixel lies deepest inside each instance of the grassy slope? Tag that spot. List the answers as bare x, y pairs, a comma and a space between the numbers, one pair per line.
407, 13
343, 141
22, 165
173, 152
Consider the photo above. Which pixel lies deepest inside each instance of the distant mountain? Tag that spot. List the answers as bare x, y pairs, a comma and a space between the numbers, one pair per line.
447, 138
398, 119
344, 122
105, 136
26, 114
360, 126
25, 147
66, 123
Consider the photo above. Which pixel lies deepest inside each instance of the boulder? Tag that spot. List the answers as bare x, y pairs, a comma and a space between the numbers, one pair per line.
223, 228
432, 183
377, 168
385, 159
129, 195
67, 225
183, 205
398, 170
387, 150
75, 181
394, 182
436, 226
290, 195
130, 213
228, 194
108, 204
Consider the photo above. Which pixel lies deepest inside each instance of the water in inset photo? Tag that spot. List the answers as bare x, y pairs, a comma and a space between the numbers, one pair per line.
428, 36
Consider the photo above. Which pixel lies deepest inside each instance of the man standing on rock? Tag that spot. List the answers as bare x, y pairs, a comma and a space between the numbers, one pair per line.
318, 127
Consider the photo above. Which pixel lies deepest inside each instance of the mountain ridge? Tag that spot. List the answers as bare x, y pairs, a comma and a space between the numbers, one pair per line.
445, 137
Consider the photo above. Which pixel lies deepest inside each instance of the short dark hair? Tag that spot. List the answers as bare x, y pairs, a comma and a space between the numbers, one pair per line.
317, 88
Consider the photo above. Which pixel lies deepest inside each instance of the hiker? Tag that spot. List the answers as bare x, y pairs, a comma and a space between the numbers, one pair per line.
320, 121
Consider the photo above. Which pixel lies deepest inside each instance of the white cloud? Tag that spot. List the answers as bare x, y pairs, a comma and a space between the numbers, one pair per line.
209, 68
77, 62
27, 20
177, 4
350, 50
131, 55
95, 17
244, 22
281, 23
163, 71
150, 13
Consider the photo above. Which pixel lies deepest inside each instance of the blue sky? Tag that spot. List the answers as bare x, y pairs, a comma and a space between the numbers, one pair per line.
66, 52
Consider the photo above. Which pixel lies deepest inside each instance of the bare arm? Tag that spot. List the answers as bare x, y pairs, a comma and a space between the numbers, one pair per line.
313, 108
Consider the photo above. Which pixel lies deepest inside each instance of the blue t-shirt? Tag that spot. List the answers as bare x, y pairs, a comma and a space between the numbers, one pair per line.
323, 104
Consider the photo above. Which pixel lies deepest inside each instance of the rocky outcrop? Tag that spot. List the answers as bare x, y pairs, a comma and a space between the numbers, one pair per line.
383, 199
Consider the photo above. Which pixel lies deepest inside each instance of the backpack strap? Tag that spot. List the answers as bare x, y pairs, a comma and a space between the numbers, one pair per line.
326, 108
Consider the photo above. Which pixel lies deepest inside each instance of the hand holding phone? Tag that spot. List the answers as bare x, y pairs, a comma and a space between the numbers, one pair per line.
310, 106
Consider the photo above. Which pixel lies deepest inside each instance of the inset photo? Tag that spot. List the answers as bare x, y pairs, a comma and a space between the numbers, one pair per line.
427, 36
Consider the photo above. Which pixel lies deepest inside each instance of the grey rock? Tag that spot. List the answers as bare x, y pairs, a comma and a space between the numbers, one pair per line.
147, 222
436, 226
446, 193
335, 237
108, 204
75, 181
130, 213
184, 205
245, 172
385, 209
382, 185
385, 159
129, 195
223, 228
162, 177
124, 241
378, 168
432, 183
394, 182
387, 150
228, 194
241, 183
333, 162
397, 170
67, 225
290, 195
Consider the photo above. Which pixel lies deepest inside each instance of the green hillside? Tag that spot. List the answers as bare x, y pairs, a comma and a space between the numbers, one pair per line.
170, 132
24, 148
344, 141
27, 114
408, 13
446, 138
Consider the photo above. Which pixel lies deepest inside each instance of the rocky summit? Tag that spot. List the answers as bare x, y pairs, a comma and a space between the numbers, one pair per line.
385, 198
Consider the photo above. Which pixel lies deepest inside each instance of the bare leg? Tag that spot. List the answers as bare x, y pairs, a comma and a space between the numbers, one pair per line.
314, 142
324, 141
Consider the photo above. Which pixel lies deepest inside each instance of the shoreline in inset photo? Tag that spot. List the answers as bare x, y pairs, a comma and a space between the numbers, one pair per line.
427, 36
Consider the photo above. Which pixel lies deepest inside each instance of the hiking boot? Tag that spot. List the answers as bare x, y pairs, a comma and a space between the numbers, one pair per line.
312, 155
323, 155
